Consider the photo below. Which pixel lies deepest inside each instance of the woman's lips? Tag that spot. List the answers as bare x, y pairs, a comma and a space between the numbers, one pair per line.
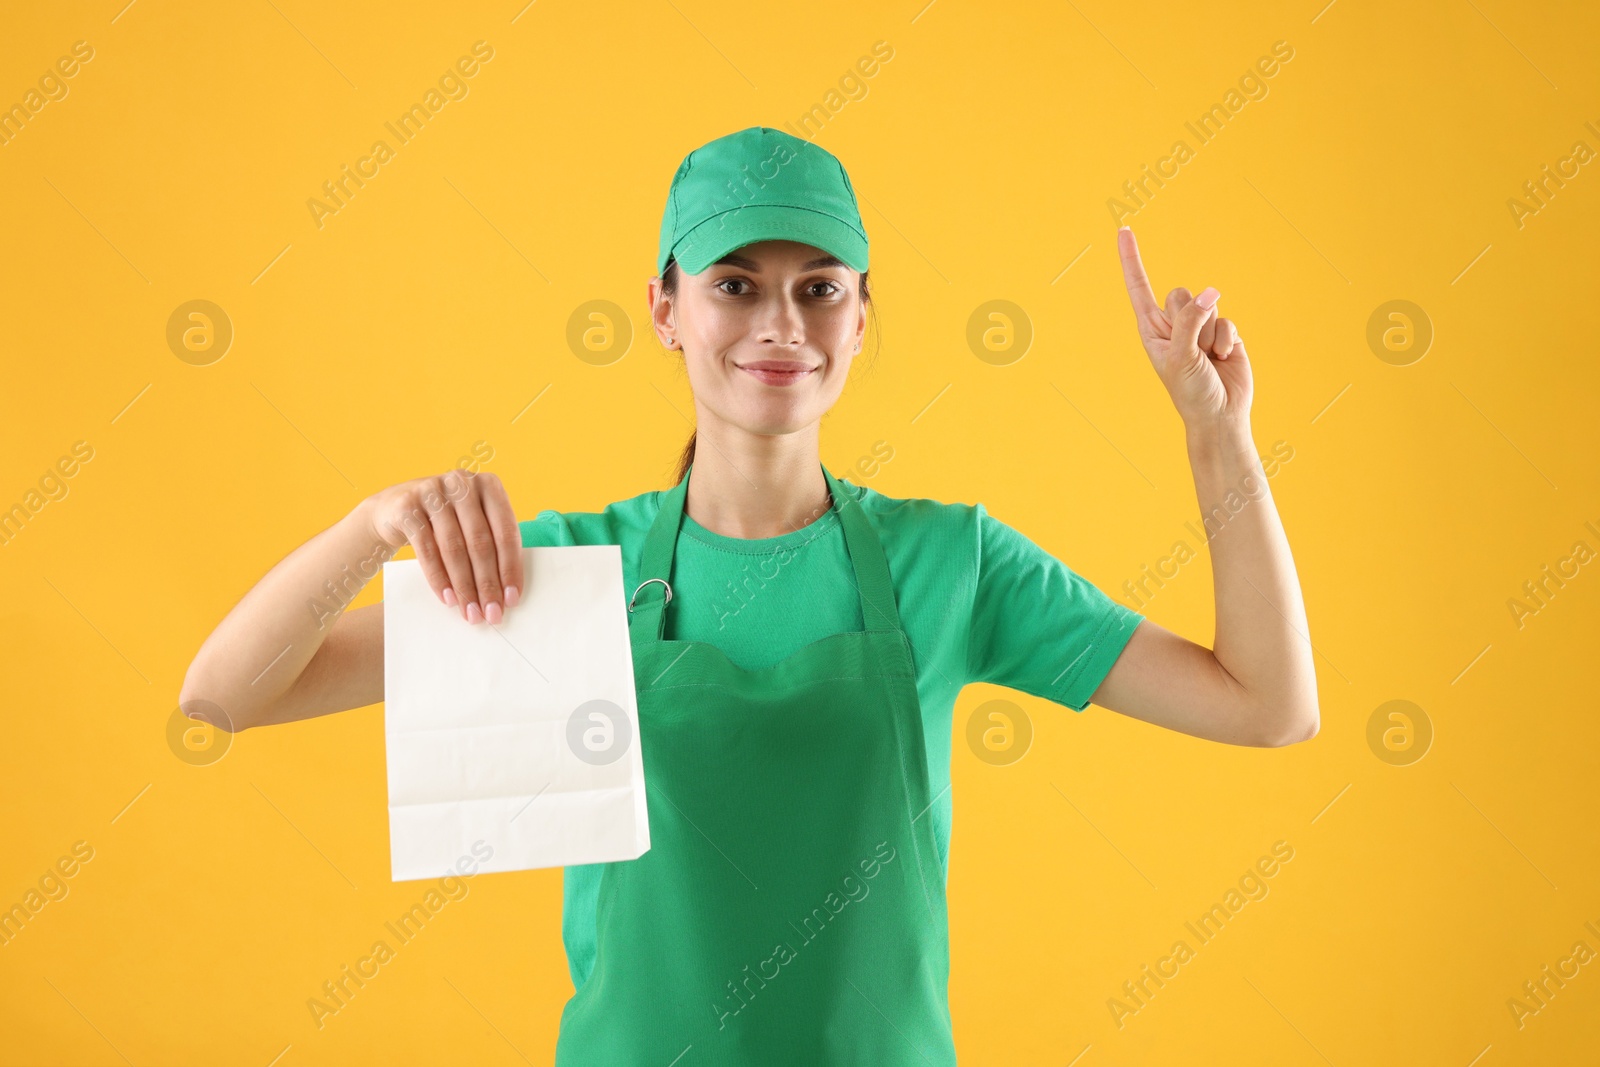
777, 373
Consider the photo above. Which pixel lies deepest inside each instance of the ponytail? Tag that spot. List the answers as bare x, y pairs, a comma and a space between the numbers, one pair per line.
685, 459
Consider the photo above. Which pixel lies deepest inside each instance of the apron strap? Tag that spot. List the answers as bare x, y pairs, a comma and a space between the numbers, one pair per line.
649, 614
874, 586
873, 582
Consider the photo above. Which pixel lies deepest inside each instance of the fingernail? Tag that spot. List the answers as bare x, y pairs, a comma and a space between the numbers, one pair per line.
473, 614
449, 597
512, 596
491, 612
1207, 298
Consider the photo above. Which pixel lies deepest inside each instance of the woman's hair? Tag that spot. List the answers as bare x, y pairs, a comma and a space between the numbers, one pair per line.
669, 286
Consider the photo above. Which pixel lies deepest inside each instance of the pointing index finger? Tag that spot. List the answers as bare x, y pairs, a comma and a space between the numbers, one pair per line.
1139, 291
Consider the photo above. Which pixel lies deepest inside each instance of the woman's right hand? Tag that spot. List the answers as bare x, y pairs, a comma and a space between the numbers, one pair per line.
465, 536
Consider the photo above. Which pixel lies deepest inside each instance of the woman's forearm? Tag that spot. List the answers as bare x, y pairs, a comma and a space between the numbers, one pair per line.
288, 651
258, 652
1262, 638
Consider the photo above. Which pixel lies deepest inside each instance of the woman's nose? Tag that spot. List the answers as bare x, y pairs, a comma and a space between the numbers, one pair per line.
781, 321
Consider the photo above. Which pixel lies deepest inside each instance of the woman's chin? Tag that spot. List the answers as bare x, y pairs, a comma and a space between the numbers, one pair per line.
776, 424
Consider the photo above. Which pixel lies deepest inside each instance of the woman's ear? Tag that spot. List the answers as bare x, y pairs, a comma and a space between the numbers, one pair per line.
662, 319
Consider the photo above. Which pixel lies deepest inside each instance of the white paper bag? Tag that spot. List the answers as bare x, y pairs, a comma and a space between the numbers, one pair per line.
518, 741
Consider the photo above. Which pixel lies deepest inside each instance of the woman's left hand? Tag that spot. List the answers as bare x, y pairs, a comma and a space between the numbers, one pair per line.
1198, 356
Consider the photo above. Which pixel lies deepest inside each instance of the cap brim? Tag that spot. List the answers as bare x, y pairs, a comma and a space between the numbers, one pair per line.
735, 228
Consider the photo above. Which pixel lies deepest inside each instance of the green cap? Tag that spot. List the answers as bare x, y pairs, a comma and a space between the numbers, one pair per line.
759, 184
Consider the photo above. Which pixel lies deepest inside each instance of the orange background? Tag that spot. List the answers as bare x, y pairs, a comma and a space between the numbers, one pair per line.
430, 311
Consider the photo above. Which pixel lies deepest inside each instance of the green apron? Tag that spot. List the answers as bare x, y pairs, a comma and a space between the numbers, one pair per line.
790, 909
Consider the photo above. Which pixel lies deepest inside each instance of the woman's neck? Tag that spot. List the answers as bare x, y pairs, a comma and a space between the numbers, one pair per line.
750, 485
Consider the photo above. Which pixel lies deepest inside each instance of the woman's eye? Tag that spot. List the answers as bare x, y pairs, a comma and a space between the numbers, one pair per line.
816, 289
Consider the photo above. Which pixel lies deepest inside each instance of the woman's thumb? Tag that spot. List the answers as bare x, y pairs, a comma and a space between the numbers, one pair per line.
1186, 331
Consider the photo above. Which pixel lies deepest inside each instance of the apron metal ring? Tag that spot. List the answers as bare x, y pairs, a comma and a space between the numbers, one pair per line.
644, 583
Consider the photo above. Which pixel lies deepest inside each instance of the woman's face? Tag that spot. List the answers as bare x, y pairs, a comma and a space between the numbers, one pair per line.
767, 334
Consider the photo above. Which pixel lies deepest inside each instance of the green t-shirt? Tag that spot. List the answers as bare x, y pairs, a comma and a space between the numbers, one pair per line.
979, 602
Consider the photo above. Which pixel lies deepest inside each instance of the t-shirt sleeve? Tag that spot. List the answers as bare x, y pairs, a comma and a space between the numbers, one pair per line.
547, 529
1037, 626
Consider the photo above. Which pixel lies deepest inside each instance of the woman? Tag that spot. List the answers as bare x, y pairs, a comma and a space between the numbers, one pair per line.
799, 643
